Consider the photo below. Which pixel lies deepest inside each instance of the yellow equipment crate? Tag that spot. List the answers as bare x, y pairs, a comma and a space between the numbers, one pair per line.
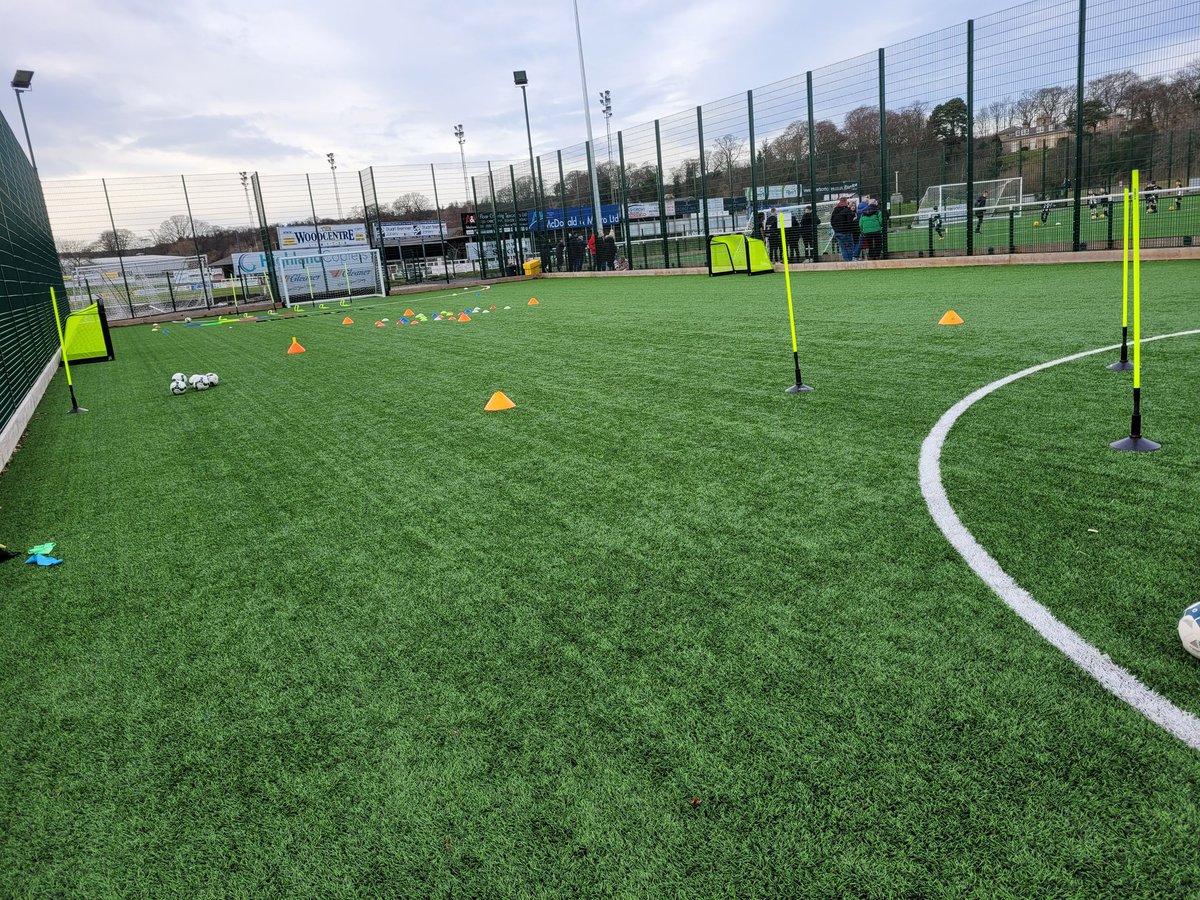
533, 267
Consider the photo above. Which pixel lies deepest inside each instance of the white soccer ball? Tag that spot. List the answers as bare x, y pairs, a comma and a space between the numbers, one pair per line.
187, 318
202, 385
1189, 630
178, 387
195, 379
212, 379
179, 376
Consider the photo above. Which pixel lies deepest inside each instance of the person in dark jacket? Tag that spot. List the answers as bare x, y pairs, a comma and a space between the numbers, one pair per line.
843, 223
771, 236
980, 211
610, 250
793, 240
808, 232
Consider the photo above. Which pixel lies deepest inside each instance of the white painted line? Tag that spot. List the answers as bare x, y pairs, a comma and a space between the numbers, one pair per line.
1155, 707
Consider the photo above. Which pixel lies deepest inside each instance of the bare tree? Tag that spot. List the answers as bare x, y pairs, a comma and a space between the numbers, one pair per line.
1113, 90
1025, 109
728, 151
860, 128
178, 228
415, 204
1053, 104
116, 241
994, 117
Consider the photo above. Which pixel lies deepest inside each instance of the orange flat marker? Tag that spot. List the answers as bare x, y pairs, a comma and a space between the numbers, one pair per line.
295, 348
464, 318
532, 301
950, 318
499, 401
409, 312
347, 321
378, 324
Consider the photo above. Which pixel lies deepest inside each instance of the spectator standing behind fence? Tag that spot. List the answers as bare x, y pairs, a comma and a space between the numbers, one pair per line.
558, 255
843, 223
793, 240
808, 233
574, 252
771, 235
1178, 195
980, 211
608, 251
591, 249
871, 225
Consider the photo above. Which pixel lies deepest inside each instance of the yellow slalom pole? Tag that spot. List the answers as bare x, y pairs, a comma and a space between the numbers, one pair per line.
1137, 286
75, 407
799, 386
1136, 441
1123, 364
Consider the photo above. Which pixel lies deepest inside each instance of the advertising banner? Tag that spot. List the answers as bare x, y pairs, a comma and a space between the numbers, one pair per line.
394, 231
576, 217
304, 237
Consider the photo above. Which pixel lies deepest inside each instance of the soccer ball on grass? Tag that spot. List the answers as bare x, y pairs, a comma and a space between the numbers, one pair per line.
1189, 630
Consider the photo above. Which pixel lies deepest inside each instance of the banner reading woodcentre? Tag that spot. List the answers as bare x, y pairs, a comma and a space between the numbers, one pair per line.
304, 237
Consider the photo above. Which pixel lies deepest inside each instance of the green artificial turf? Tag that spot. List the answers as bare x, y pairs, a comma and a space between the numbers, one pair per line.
330, 629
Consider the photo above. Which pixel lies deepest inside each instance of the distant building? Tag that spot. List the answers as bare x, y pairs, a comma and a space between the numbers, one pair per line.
1051, 134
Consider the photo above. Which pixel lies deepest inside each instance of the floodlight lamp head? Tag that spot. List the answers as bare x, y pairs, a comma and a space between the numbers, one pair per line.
22, 80
520, 78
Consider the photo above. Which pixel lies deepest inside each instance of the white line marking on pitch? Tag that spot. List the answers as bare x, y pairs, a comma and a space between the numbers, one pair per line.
1155, 707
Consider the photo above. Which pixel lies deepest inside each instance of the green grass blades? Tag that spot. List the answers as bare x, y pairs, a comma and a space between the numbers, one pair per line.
331, 629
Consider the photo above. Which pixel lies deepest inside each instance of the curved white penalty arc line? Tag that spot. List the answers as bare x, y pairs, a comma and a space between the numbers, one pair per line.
1155, 707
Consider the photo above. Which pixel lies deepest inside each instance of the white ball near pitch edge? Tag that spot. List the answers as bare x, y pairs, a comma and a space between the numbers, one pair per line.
212, 379
1189, 630
202, 385
179, 376
178, 387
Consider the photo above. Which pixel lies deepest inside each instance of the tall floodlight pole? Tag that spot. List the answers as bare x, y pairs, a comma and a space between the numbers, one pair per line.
462, 156
337, 195
246, 190
21, 83
587, 114
606, 108
520, 79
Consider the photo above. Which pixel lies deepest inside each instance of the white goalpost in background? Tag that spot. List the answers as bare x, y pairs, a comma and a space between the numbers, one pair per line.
331, 275
952, 202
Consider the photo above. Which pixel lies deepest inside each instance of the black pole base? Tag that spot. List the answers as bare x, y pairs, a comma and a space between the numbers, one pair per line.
1122, 365
1136, 444
75, 410
799, 388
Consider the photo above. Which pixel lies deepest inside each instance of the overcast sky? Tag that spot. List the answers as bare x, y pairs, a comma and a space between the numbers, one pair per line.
144, 87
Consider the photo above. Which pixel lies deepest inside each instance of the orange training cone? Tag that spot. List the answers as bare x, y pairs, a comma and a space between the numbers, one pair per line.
464, 318
532, 301
295, 348
347, 321
950, 318
378, 324
409, 312
499, 401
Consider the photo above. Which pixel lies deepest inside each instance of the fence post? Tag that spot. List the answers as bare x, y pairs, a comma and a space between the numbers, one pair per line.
662, 198
1187, 175
441, 228
885, 206
317, 231
544, 245
500, 263
1012, 219
754, 229
264, 236
117, 245
516, 229
970, 137
597, 214
209, 299
625, 198
704, 173
812, 168
1079, 60
562, 192
480, 250
387, 279
170, 291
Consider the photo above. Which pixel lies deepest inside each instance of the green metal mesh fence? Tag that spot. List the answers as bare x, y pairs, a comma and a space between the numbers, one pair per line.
29, 268
967, 138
